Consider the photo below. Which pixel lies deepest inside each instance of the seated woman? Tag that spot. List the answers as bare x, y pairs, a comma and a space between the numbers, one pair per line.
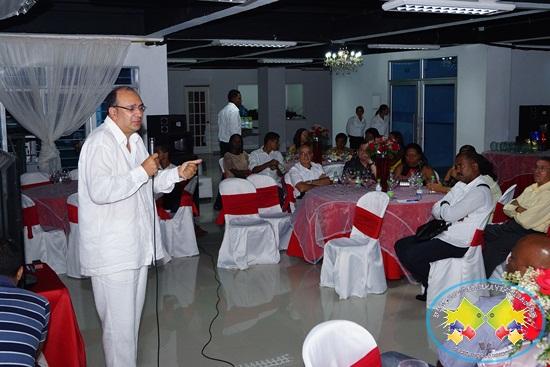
235, 161
362, 163
301, 136
340, 151
397, 159
305, 174
414, 161
370, 134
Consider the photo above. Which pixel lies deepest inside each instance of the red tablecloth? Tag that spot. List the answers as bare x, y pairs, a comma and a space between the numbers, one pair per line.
327, 212
64, 345
51, 203
513, 168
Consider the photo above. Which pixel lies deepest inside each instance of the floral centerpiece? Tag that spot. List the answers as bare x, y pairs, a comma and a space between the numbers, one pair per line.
382, 150
536, 282
319, 137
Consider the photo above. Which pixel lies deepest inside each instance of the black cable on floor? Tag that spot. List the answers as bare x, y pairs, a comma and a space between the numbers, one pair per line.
156, 270
214, 268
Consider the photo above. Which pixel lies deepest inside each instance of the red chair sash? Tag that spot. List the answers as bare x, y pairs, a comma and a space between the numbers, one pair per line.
268, 196
478, 239
30, 186
30, 219
187, 200
289, 197
367, 222
161, 212
498, 215
372, 359
72, 212
240, 204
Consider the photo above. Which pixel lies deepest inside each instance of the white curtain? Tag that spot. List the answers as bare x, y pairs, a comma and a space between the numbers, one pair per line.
53, 85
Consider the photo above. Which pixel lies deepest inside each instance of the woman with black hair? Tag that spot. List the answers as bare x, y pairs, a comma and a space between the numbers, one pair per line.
379, 121
413, 162
301, 137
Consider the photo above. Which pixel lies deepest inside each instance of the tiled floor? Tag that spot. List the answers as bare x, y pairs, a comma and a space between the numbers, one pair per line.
265, 312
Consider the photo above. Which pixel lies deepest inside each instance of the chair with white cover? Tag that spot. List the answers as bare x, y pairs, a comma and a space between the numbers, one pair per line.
220, 162
353, 266
269, 208
247, 239
448, 272
73, 249
290, 199
340, 343
506, 198
32, 179
49, 247
178, 232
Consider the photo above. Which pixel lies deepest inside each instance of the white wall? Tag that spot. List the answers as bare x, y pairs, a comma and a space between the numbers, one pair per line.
153, 76
317, 95
370, 84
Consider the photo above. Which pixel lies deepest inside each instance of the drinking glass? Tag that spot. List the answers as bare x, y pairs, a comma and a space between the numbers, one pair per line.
412, 363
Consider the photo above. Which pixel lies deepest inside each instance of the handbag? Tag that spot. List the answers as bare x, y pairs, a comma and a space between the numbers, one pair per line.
429, 230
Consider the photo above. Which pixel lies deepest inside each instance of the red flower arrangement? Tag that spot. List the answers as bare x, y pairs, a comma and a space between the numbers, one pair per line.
318, 131
382, 146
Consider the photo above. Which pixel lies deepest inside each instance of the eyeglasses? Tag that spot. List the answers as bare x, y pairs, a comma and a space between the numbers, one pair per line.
133, 108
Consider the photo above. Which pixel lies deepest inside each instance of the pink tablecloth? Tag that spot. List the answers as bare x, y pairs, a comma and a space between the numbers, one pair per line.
51, 203
327, 212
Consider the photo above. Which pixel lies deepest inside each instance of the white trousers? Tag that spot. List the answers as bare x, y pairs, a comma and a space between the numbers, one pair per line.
119, 301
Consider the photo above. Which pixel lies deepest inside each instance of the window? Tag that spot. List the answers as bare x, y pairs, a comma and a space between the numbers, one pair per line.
405, 70
294, 101
442, 67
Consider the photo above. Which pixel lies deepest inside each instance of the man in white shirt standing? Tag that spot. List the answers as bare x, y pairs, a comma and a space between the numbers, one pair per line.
355, 128
229, 120
266, 160
116, 217
306, 175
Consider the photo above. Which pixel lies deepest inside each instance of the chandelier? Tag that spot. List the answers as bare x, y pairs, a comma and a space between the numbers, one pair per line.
343, 61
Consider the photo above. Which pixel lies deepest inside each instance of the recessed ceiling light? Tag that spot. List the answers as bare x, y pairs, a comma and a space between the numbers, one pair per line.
253, 43
465, 7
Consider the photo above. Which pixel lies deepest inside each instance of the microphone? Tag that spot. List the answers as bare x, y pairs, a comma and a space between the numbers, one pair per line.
151, 145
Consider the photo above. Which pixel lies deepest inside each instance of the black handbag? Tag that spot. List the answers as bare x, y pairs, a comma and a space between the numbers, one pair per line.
431, 229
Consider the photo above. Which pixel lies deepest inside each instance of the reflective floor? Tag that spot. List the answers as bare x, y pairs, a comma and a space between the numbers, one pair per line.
265, 312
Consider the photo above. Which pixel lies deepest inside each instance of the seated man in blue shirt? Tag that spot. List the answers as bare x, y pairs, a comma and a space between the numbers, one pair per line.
24, 316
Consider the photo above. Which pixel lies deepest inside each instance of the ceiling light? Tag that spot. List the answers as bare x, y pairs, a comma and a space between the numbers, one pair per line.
343, 61
254, 43
395, 46
481, 7
176, 60
285, 61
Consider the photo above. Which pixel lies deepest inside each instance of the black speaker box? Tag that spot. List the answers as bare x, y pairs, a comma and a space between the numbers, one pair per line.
166, 127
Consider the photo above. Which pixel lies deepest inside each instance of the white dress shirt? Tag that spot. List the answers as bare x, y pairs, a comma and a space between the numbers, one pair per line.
259, 157
229, 122
469, 207
115, 202
356, 127
299, 173
379, 124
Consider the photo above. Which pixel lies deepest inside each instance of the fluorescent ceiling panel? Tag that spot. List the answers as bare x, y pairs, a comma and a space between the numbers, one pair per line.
464, 7
253, 43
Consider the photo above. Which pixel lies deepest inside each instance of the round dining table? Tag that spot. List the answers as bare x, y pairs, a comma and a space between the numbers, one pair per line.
51, 203
327, 212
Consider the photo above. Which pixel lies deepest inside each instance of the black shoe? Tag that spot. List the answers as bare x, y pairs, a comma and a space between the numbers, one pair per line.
421, 297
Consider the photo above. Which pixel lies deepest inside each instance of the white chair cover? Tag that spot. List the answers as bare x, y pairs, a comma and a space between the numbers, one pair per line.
248, 239
48, 247
178, 233
33, 178
74, 174
220, 162
340, 343
205, 187
268, 194
73, 249
290, 199
353, 266
334, 169
452, 271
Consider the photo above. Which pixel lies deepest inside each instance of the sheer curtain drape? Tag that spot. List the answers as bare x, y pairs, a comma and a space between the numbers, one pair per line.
53, 85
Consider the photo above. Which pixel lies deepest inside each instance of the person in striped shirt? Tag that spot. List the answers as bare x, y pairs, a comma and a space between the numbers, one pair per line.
24, 315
